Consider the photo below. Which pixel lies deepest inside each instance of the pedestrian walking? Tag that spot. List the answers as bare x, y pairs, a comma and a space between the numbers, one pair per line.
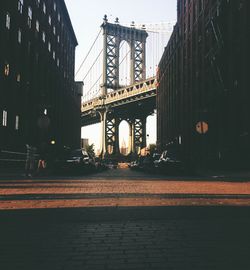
30, 160
42, 159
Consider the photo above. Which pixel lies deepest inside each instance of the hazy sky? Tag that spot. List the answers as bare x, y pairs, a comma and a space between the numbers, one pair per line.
87, 16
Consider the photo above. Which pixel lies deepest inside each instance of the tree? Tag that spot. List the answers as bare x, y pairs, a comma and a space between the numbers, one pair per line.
91, 149
152, 148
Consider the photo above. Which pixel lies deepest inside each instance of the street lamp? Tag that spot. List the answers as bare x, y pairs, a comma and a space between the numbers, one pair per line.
53, 142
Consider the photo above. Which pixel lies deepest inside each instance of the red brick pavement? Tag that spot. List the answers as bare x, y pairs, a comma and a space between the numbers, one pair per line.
64, 193
82, 234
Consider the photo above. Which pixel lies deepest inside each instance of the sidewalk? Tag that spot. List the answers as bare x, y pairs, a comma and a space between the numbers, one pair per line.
148, 238
18, 174
206, 174
10, 173
232, 175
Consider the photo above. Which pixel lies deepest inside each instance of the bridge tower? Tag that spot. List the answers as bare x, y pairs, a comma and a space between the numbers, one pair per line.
113, 35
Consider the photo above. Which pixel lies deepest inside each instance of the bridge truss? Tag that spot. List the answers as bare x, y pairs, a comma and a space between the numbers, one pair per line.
112, 101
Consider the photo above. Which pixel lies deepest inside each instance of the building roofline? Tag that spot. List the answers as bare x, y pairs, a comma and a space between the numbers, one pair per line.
69, 20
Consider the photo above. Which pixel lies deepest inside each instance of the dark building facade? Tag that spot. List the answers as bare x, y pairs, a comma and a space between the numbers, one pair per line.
203, 97
39, 101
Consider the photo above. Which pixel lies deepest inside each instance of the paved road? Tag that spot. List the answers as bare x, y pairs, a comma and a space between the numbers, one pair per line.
124, 220
120, 188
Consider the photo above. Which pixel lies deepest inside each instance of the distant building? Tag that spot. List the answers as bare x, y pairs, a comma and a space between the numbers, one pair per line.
98, 152
124, 148
39, 100
85, 143
203, 100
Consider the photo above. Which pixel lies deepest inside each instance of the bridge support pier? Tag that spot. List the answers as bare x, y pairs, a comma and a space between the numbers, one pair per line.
110, 121
110, 134
103, 116
137, 135
131, 145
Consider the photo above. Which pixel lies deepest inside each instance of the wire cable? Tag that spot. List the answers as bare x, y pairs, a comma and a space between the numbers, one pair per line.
88, 53
92, 65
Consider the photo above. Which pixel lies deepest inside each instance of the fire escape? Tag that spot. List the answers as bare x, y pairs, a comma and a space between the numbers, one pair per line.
217, 44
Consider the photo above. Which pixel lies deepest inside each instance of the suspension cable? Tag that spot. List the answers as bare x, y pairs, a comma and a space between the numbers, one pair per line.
92, 86
124, 57
88, 53
92, 65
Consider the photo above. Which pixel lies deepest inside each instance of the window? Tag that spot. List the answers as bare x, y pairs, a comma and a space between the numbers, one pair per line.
43, 36
200, 5
29, 47
37, 58
19, 36
6, 69
54, 55
59, 17
49, 46
7, 20
29, 16
58, 38
37, 26
44, 8
58, 62
4, 120
54, 30
38, 2
18, 77
20, 6
54, 6
49, 20
17, 122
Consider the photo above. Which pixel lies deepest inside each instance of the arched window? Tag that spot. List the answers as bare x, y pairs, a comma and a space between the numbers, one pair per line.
6, 69
43, 36
37, 26
29, 16
44, 8
20, 6
124, 63
7, 24
49, 46
4, 119
19, 35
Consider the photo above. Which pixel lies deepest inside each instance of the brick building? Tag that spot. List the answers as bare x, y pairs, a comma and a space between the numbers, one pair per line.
39, 100
203, 97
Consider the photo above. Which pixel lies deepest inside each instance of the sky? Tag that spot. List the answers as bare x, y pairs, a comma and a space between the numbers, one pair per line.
86, 18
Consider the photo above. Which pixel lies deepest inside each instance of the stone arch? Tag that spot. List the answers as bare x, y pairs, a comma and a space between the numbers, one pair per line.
124, 63
124, 143
113, 34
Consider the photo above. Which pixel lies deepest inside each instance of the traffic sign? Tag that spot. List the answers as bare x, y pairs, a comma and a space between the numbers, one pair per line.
202, 127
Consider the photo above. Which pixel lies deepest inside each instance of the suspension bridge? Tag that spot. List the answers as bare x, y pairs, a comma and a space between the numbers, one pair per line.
120, 80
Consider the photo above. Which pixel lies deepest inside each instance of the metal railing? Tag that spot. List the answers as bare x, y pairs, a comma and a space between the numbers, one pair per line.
12, 159
120, 94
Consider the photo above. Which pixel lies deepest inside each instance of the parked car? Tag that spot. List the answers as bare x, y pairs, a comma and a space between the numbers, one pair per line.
156, 156
134, 165
169, 163
110, 163
143, 163
78, 160
99, 164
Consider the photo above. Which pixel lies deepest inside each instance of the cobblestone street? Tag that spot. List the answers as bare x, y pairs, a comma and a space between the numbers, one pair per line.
120, 219
121, 187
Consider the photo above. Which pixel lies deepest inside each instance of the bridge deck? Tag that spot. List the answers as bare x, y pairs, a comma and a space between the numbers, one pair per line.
133, 93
